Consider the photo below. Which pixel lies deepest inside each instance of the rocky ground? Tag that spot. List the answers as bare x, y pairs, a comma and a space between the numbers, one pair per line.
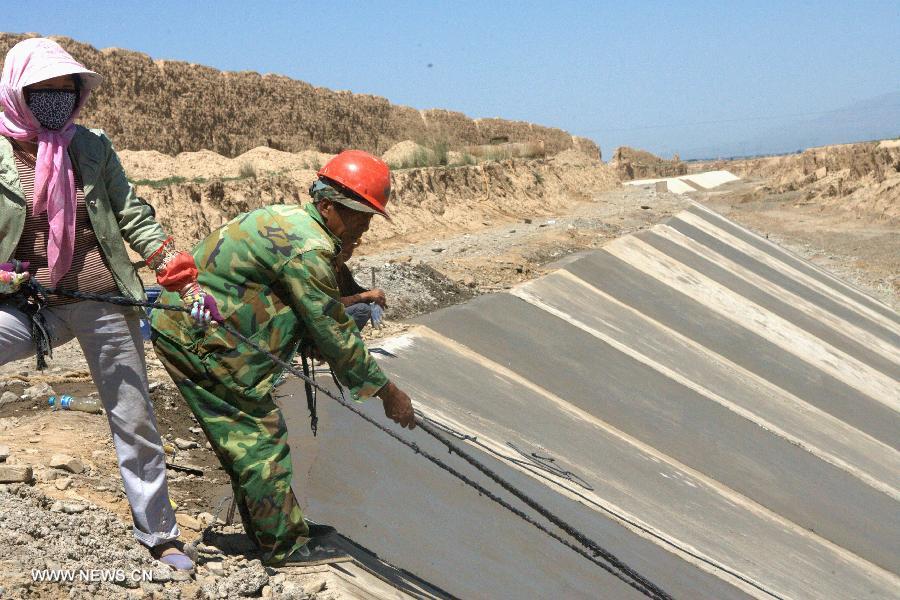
68, 510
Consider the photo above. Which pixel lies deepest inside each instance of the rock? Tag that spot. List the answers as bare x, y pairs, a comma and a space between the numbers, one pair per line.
73, 508
38, 390
182, 444
154, 385
63, 483
196, 430
56, 506
315, 587
208, 446
437, 249
208, 549
189, 522
206, 519
216, 567
8, 397
293, 589
266, 591
34, 440
4, 453
66, 463
181, 576
162, 575
15, 473
252, 582
528, 221
47, 475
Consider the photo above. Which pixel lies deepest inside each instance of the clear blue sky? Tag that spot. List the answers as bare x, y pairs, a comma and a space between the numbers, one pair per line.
646, 74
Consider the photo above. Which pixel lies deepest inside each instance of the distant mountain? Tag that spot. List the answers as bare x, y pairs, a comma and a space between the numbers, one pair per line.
872, 119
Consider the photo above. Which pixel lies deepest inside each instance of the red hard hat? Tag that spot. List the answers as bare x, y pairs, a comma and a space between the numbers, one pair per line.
363, 174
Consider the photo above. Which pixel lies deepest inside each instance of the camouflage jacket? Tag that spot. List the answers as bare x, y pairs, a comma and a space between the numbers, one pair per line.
272, 273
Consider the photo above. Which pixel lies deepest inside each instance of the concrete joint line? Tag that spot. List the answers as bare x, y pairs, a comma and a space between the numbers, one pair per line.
890, 351
683, 550
777, 264
789, 337
813, 266
724, 491
744, 413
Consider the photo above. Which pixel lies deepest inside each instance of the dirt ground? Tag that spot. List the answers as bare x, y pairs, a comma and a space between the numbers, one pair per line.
419, 274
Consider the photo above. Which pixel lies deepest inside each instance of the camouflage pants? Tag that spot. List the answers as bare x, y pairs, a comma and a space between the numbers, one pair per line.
250, 439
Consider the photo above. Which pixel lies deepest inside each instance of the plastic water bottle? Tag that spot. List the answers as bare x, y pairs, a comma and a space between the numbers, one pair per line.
66, 402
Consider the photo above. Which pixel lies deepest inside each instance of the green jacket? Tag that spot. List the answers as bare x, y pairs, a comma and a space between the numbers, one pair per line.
116, 213
272, 274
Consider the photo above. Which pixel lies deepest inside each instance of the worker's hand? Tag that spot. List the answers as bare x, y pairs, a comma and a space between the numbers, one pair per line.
204, 309
397, 405
10, 280
375, 295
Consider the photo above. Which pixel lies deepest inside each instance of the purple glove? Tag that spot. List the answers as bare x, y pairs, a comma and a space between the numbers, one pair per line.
204, 308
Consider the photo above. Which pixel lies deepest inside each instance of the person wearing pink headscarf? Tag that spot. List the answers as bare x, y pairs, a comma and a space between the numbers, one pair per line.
66, 212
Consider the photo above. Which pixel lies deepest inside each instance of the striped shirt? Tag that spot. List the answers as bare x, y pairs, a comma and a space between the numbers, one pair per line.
89, 271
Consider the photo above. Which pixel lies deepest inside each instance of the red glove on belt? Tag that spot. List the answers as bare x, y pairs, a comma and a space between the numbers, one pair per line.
177, 272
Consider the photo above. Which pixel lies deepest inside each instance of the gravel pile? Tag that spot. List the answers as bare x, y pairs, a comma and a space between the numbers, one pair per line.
39, 534
414, 289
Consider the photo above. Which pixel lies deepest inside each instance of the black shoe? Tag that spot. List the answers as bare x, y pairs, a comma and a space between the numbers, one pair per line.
317, 530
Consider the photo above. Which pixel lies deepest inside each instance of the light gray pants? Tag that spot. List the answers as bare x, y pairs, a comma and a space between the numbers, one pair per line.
110, 338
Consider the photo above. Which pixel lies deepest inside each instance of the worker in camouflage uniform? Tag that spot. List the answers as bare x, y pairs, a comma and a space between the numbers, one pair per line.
272, 272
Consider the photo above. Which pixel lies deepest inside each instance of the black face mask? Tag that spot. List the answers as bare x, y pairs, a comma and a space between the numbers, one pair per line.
52, 108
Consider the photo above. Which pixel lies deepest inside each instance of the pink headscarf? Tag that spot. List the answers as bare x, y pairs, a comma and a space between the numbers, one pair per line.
32, 61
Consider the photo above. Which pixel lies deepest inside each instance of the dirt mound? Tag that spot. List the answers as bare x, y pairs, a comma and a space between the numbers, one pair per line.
416, 289
630, 163
149, 167
431, 200
173, 107
404, 152
862, 179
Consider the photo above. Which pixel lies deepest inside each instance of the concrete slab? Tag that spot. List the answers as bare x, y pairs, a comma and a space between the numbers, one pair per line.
816, 313
719, 414
676, 420
720, 380
794, 261
391, 501
689, 183
793, 281
848, 339
629, 478
752, 352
